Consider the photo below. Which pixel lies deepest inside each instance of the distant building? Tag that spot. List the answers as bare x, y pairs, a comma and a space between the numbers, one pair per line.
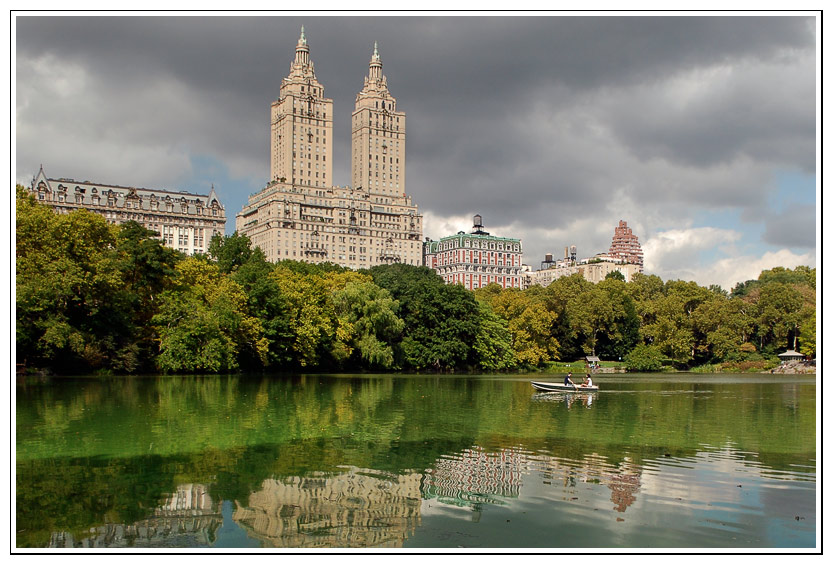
624, 256
593, 270
476, 259
300, 215
625, 246
184, 221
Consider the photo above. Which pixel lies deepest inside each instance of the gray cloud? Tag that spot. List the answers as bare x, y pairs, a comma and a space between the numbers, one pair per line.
793, 227
546, 124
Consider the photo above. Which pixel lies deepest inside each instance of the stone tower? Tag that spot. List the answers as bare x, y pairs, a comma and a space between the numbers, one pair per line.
302, 126
378, 136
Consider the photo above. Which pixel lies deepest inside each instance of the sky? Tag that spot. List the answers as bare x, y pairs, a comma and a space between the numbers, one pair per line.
699, 131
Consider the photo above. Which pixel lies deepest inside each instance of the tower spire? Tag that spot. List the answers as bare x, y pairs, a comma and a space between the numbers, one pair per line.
302, 50
375, 72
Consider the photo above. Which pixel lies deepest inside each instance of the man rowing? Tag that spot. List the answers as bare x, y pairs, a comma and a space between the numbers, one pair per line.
568, 381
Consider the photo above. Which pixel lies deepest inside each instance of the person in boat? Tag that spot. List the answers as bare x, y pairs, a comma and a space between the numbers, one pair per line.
587, 380
568, 380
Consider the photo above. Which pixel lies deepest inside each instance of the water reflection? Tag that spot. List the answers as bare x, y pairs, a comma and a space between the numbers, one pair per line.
717, 491
568, 399
188, 518
474, 476
398, 462
358, 508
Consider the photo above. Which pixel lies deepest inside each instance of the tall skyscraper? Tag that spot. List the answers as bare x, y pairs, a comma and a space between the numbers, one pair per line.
378, 147
302, 126
300, 215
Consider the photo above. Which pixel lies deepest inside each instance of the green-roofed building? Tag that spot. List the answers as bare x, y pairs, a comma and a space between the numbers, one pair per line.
476, 259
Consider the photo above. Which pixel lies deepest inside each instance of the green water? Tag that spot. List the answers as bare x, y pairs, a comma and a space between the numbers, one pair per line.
669, 461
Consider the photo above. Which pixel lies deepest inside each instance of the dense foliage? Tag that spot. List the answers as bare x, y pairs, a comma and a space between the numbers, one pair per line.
96, 297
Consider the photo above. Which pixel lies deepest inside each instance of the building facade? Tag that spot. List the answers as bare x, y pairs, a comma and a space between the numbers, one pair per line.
476, 259
378, 136
593, 270
184, 221
302, 126
625, 246
300, 214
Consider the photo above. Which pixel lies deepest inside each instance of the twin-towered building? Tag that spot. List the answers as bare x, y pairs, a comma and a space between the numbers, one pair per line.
300, 215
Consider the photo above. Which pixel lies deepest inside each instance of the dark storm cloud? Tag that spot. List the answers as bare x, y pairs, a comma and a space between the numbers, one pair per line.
532, 121
792, 227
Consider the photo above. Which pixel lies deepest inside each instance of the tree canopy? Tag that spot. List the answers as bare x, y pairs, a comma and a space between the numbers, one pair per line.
91, 296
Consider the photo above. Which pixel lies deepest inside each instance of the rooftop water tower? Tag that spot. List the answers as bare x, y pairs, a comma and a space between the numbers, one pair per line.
477, 229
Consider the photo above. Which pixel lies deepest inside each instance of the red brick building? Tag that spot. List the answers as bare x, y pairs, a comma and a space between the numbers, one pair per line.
625, 245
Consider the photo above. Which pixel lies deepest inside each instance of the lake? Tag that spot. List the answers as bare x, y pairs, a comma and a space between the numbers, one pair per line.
410, 461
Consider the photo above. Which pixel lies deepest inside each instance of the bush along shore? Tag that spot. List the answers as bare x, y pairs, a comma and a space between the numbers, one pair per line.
97, 298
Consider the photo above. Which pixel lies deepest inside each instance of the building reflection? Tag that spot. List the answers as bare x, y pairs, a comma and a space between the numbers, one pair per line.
622, 479
358, 508
624, 485
187, 518
474, 476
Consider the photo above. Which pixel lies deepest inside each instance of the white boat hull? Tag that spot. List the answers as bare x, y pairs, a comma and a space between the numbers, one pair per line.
561, 387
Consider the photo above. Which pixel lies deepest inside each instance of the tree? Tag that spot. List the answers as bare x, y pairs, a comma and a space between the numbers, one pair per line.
493, 344
441, 321
644, 358
721, 326
557, 296
591, 313
147, 267
622, 334
779, 305
203, 323
529, 322
230, 252
73, 311
615, 275
367, 324
249, 268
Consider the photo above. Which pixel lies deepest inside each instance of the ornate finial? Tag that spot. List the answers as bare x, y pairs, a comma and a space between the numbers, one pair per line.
375, 50
303, 40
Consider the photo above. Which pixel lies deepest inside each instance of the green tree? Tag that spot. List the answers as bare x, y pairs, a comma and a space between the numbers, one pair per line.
73, 312
622, 334
203, 323
441, 321
591, 314
147, 268
557, 297
493, 344
367, 324
249, 268
779, 306
644, 358
529, 322
230, 252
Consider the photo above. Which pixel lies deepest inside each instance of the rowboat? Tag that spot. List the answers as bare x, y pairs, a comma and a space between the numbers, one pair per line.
561, 387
